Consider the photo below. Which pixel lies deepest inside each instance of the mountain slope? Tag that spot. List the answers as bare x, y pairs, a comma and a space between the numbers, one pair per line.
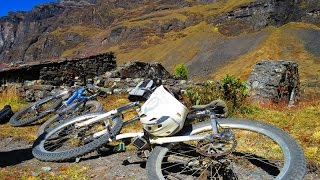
213, 37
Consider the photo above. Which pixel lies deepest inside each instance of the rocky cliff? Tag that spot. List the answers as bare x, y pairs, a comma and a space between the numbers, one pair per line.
207, 35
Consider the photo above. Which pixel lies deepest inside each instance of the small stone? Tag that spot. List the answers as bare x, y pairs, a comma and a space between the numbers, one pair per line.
47, 168
34, 174
255, 84
117, 79
118, 91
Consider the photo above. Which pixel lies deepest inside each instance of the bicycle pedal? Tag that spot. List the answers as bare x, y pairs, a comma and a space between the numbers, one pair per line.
139, 142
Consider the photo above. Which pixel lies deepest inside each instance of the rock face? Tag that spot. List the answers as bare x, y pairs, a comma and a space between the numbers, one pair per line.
275, 80
142, 70
67, 28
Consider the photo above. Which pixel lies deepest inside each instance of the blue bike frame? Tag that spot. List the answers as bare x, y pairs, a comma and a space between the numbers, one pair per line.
77, 94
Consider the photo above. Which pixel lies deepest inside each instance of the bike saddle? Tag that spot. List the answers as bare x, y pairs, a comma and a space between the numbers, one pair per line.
218, 106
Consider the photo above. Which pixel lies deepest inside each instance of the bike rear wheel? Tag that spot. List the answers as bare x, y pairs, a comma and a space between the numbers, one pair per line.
66, 141
258, 151
35, 111
83, 108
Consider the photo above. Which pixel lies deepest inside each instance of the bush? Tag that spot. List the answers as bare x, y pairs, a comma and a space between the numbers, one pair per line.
204, 94
180, 71
230, 89
233, 90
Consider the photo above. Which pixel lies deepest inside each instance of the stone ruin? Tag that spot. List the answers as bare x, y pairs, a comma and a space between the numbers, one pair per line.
270, 80
100, 70
59, 72
275, 80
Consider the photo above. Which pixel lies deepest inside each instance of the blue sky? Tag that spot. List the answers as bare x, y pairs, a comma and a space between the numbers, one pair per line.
19, 5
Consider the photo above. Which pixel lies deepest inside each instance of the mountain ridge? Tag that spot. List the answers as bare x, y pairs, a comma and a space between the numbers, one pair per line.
207, 35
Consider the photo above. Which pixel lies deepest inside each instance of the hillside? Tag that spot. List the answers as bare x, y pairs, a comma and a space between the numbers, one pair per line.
213, 37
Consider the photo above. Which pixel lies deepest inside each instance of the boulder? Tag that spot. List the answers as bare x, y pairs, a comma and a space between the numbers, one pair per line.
142, 70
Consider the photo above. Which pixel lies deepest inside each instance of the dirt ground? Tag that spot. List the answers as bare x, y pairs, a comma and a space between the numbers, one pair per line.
125, 165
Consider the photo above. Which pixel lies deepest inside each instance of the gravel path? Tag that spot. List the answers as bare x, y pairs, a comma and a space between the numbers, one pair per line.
123, 165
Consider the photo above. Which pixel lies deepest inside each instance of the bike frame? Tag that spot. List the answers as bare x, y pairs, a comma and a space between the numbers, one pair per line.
156, 140
76, 95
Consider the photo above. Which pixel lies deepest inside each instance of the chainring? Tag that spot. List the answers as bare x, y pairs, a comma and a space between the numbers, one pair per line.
216, 147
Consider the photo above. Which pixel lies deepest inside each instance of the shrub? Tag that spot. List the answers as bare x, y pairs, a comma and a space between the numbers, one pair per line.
234, 90
230, 89
180, 71
204, 94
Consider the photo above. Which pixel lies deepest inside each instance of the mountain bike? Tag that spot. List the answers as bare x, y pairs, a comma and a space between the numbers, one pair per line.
180, 143
54, 104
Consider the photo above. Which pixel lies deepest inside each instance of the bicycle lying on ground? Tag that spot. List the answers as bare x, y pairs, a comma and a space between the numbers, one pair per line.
76, 104
182, 144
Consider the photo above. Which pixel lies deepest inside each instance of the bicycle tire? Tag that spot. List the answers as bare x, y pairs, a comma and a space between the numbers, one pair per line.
42, 153
53, 121
294, 165
15, 121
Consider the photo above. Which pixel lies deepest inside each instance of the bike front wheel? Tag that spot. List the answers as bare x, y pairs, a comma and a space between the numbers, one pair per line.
67, 141
256, 151
35, 111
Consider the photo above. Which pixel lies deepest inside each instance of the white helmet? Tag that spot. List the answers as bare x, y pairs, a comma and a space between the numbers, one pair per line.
162, 114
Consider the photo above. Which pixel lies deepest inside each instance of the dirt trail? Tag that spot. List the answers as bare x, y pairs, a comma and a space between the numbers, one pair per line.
124, 165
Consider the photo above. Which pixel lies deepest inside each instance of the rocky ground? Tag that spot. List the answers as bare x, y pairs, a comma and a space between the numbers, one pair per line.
17, 154
125, 165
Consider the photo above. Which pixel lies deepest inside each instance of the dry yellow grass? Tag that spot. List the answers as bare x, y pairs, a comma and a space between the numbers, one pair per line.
81, 30
281, 44
64, 172
28, 133
174, 48
116, 101
301, 122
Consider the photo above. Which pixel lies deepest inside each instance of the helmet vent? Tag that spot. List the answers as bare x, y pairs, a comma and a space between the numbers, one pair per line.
153, 119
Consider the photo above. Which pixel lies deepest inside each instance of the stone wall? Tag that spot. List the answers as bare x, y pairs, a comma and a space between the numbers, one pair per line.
118, 80
35, 90
275, 80
65, 72
62, 72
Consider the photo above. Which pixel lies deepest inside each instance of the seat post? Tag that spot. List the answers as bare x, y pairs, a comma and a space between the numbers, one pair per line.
213, 120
